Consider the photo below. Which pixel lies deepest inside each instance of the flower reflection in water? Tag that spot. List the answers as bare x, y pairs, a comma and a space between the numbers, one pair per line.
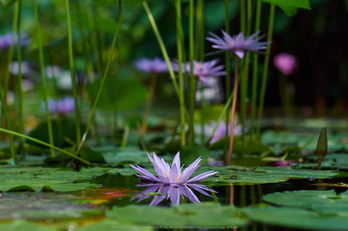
172, 192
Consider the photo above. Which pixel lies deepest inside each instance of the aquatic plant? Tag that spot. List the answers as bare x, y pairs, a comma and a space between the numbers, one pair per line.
156, 65
172, 175
202, 70
220, 131
63, 106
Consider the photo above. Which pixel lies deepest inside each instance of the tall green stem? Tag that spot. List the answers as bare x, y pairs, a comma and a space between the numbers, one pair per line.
233, 110
43, 143
19, 59
265, 70
149, 104
228, 70
7, 120
104, 76
72, 73
180, 73
43, 78
255, 73
192, 78
163, 48
199, 49
242, 16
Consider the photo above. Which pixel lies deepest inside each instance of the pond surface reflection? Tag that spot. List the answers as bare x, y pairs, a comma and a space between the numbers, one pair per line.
171, 192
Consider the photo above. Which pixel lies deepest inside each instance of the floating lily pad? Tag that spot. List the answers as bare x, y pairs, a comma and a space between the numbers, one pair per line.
331, 161
22, 225
110, 224
262, 175
296, 218
325, 202
36, 179
190, 215
44, 207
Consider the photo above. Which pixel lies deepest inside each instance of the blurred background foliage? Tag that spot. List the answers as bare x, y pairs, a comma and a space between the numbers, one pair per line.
317, 38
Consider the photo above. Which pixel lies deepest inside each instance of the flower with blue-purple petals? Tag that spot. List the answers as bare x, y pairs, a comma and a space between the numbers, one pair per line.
202, 70
220, 131
238, 43
63, 106
172, 175
6, 40
156, 65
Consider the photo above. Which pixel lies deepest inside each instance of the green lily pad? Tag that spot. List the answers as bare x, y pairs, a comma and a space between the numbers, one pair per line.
110, 224
22, 225
190, 215
331, 161
262, 175
36, 179
44, 207
325, 202
296, 218
251, 146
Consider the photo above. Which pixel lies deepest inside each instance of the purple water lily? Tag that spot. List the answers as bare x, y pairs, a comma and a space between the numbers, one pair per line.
6, 40
286, 63
172, 192
156, 65
64, 106
220, 131
172, 175
238, 43
202, 70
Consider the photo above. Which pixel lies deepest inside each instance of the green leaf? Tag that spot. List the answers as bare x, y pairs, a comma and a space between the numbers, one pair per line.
109, 224
18, 225
193, 215
188, 154
296, 218
325, 202
7, 3
87, 153
290, 7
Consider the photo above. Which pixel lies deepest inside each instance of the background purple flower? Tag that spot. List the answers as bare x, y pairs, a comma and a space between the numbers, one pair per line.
238, 44
156, 65
6, 40
286, 63
202, 70
64, 106
220, 131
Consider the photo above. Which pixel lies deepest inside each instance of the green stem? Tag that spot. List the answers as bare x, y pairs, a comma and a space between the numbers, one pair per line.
223, 113
192, 78
10, 54
43, 78
7, 120
72, 73
43, 143
255, 72
242, 16
163, 48
104, 76
233, 111
125, 137
148, 104
19, 59
180, 73
265, 70
228, 70
199, 49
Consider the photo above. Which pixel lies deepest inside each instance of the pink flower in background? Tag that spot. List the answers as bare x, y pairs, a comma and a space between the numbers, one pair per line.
63, 106
220, 131
6, 40
286, 63
156, 65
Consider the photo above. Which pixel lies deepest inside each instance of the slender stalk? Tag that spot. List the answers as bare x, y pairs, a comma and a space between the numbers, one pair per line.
43, 77
255, 72
72, 73
180, 74
43, 143
199, 49
228, 70
233, 111
125, 137
223, 113
148, 104
104, 77
10, 53
265, 70
192, 78
163, 48
19, 59
242, 16
7, 120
